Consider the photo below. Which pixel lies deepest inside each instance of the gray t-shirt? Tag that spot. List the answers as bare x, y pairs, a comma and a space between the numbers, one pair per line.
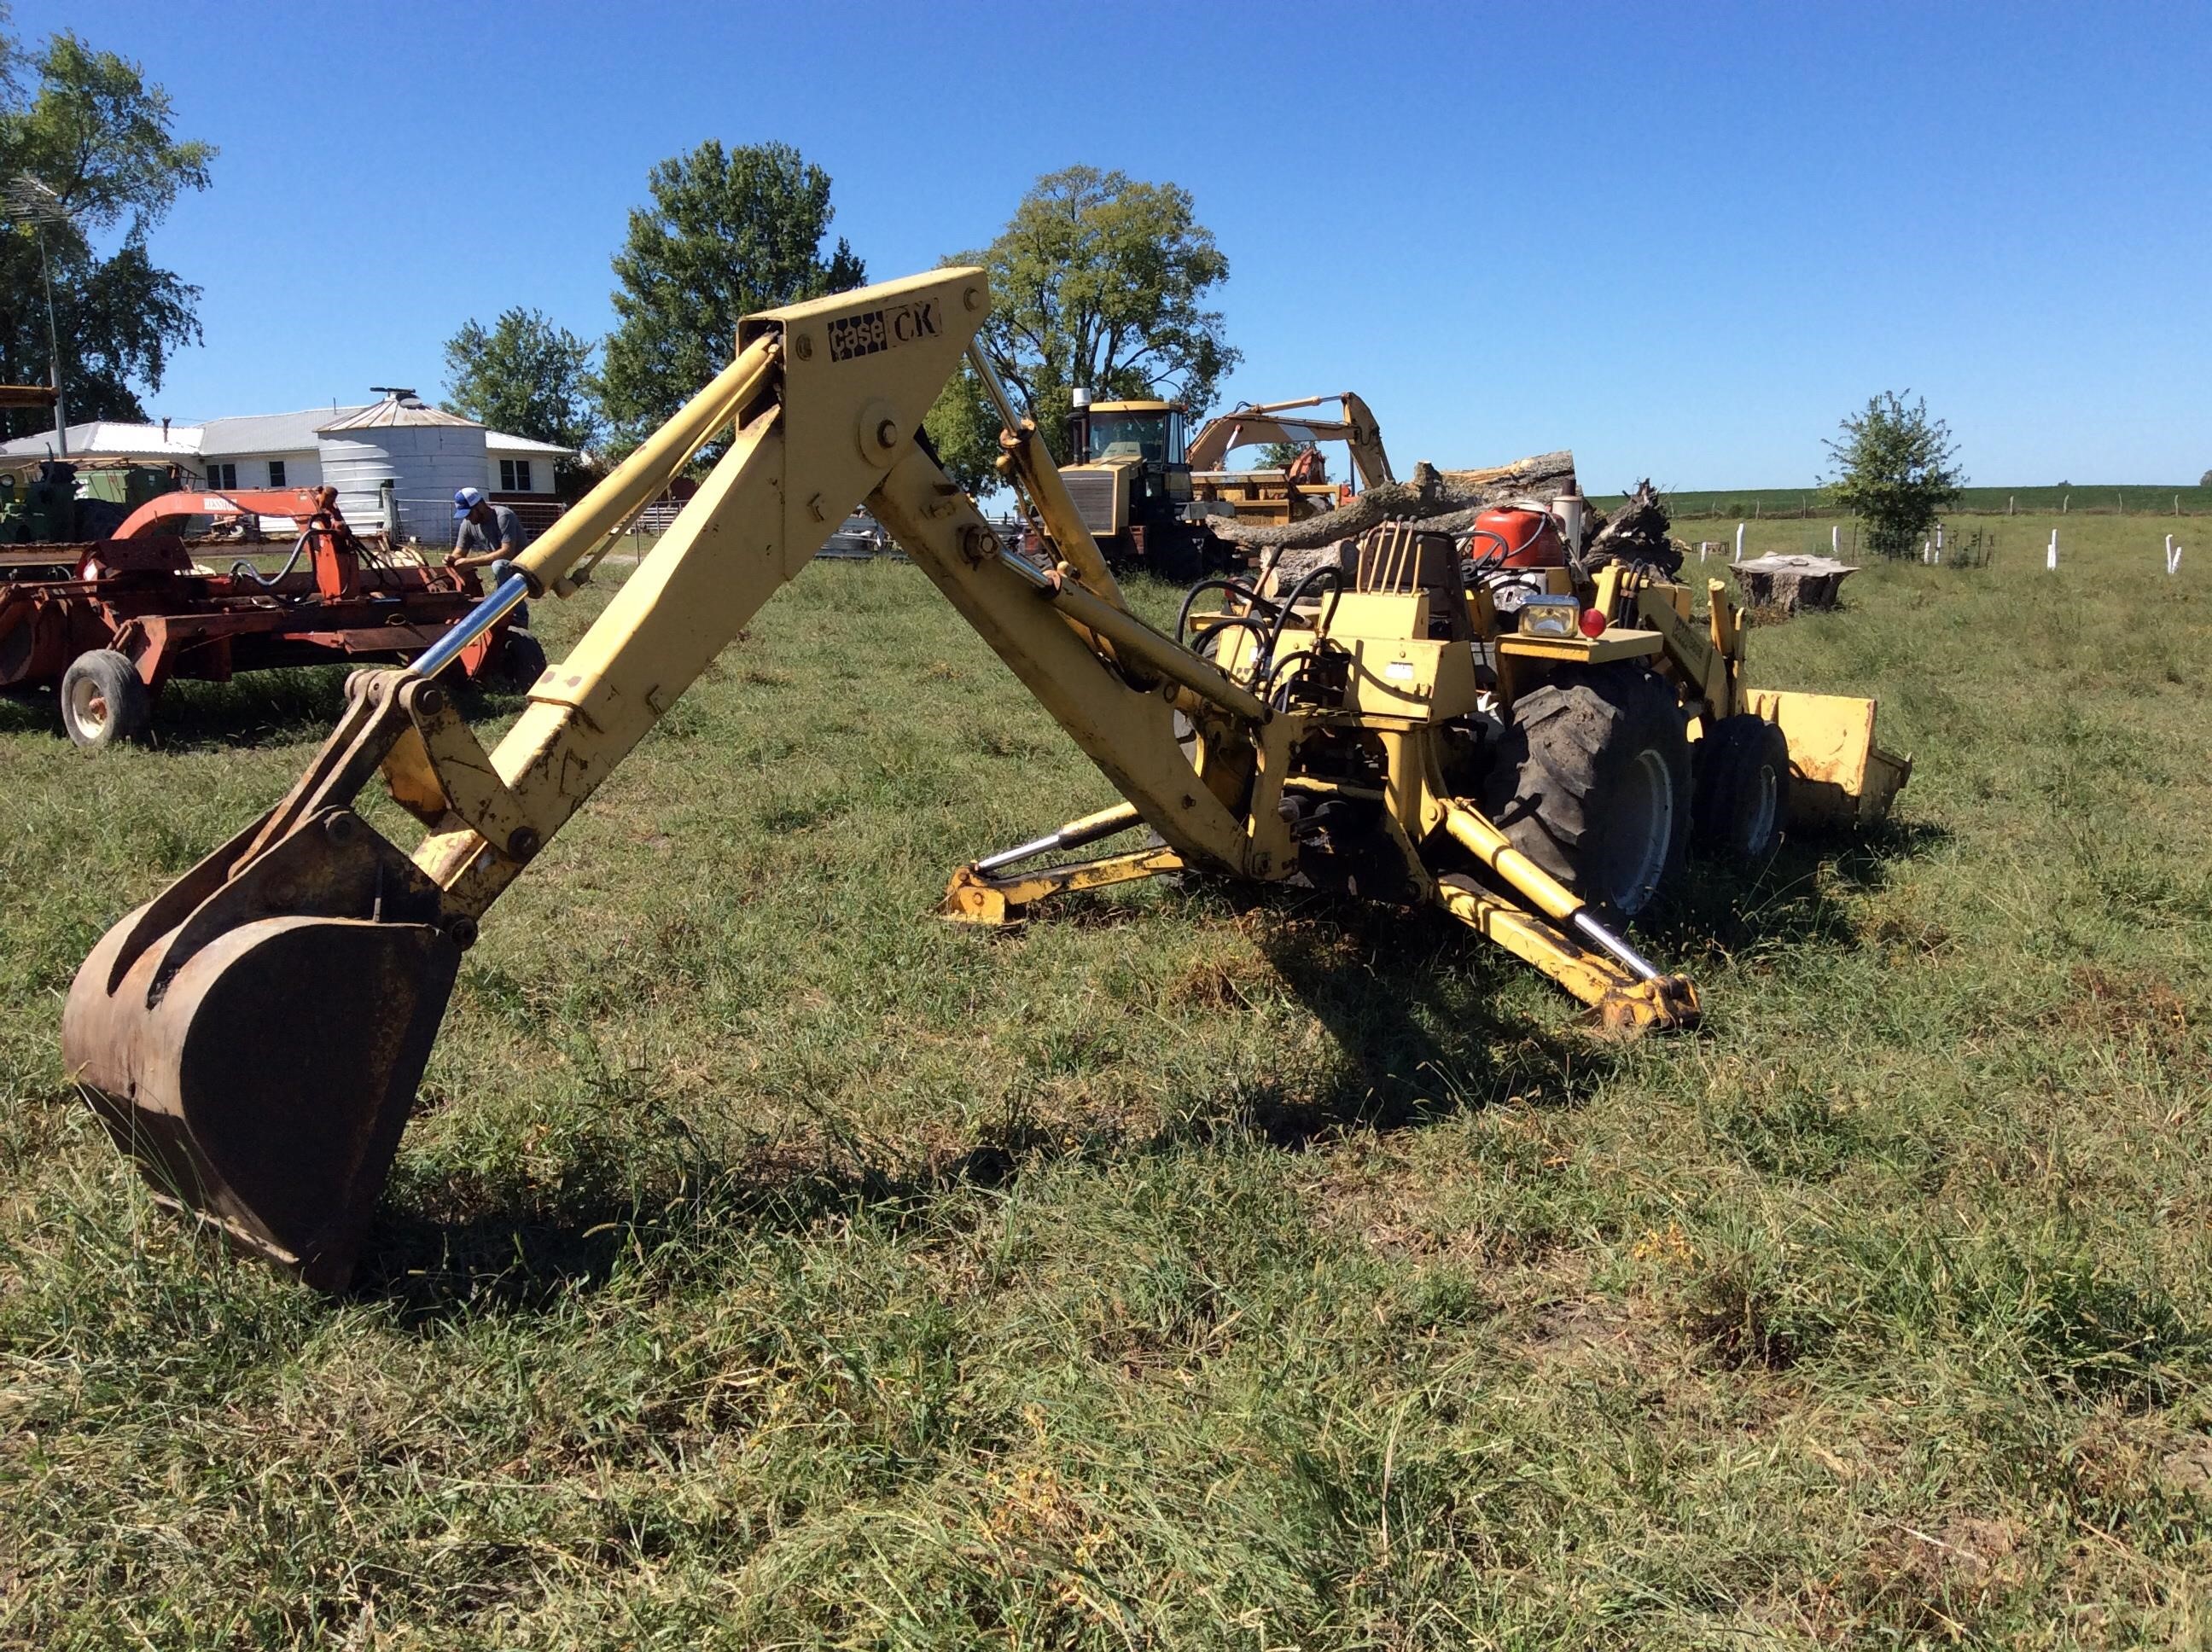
503, 532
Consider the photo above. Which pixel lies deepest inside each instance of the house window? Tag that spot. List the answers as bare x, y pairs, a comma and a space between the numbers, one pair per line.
275, 473
222, 477
514, 475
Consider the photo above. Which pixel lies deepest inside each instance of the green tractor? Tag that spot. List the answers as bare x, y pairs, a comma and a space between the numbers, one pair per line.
53, 506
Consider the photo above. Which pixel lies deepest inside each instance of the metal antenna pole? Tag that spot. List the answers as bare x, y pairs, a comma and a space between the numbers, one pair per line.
38, 204
54, 352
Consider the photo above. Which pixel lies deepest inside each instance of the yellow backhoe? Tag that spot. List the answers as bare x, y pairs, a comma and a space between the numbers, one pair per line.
254, 1035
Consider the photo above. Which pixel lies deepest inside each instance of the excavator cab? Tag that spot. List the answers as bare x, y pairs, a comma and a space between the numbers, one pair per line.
1130, 480
1150, 433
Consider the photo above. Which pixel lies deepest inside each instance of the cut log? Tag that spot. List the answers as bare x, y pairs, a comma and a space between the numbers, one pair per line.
1446, 500
1791, 583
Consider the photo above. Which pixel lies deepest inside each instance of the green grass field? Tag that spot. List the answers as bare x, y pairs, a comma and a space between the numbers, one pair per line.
770, 1264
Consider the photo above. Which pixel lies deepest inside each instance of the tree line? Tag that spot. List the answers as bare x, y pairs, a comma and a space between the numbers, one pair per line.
1099, 281
86, 148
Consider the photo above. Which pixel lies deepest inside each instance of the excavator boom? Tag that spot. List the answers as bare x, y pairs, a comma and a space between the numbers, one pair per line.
1262, 422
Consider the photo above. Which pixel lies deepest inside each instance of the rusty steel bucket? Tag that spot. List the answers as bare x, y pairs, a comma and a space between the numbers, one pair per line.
253, 1037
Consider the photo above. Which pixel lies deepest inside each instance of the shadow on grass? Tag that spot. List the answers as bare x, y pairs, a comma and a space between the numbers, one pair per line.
30, 711
1799, 896
1416, 1008
526, 1251
1414, 1004
283, 708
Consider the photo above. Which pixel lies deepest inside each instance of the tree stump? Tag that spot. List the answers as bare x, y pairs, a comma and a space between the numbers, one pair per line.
1791, 583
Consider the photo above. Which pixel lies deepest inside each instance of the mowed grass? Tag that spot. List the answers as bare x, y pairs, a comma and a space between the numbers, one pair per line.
771, 1264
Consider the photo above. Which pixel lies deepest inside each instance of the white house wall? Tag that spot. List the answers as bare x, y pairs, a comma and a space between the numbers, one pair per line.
303, 468
541, 470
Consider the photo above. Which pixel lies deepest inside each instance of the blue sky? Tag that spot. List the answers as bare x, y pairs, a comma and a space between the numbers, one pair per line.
1683, 240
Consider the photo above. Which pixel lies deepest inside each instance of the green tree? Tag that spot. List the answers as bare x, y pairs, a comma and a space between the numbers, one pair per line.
726, 233
527, 377
96, 137
1279, 455
1098, 281
1896, 470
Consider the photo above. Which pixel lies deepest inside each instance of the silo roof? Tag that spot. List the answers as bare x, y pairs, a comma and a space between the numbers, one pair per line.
396, 411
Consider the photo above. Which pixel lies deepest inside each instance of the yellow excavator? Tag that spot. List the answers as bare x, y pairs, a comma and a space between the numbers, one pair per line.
253, 1036
1285, 494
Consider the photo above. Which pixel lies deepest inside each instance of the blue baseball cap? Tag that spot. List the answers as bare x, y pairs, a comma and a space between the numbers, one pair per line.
466, 501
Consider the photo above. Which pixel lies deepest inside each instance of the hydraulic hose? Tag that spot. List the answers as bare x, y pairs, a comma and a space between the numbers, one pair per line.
1231, 588
1335, 576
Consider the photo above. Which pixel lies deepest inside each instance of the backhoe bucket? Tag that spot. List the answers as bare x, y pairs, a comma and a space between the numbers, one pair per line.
254, 1041
1838, 776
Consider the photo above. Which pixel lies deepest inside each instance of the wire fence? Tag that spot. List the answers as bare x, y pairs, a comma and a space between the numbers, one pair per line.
1780, 504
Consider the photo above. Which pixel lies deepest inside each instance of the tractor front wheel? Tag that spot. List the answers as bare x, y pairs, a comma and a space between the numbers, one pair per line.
104, 701
1592, 782
1743, 789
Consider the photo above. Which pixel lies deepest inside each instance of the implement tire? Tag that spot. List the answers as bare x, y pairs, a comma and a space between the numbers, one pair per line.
1592, 782
1743, 789
104, 701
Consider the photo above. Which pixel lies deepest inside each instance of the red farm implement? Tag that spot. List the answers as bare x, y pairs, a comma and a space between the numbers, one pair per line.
110, 623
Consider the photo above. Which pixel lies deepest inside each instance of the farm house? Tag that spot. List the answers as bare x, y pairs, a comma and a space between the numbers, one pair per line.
322, 445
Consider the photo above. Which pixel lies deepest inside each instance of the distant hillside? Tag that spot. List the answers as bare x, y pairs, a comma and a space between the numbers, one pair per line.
1754, 504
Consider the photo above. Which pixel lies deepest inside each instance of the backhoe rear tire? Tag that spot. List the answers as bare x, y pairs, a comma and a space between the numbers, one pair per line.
104, 701
1743, 789
1592, 782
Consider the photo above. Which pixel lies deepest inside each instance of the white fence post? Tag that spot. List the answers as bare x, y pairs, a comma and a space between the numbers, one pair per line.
2051, 558
1835, 540
1739, 541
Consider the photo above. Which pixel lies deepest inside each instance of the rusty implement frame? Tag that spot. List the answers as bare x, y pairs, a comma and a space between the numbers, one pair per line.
143, 595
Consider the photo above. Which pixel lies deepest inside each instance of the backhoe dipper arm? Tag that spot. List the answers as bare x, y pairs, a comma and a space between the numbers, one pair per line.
312, 922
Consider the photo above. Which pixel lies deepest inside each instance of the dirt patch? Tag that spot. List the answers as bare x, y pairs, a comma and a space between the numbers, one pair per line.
1574, 1329
2187, 1471
1219, 984
2135, 1007
1904, 937
1919, 1580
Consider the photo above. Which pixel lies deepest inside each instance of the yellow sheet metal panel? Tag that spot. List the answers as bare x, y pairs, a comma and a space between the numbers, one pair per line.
1839, 776
1385, 614
1616, 642
1405, 677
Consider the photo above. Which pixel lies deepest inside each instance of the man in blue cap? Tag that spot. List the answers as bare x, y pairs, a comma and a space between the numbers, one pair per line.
483, 531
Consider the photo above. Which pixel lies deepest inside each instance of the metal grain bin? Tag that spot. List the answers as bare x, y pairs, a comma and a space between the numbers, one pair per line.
425, 452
